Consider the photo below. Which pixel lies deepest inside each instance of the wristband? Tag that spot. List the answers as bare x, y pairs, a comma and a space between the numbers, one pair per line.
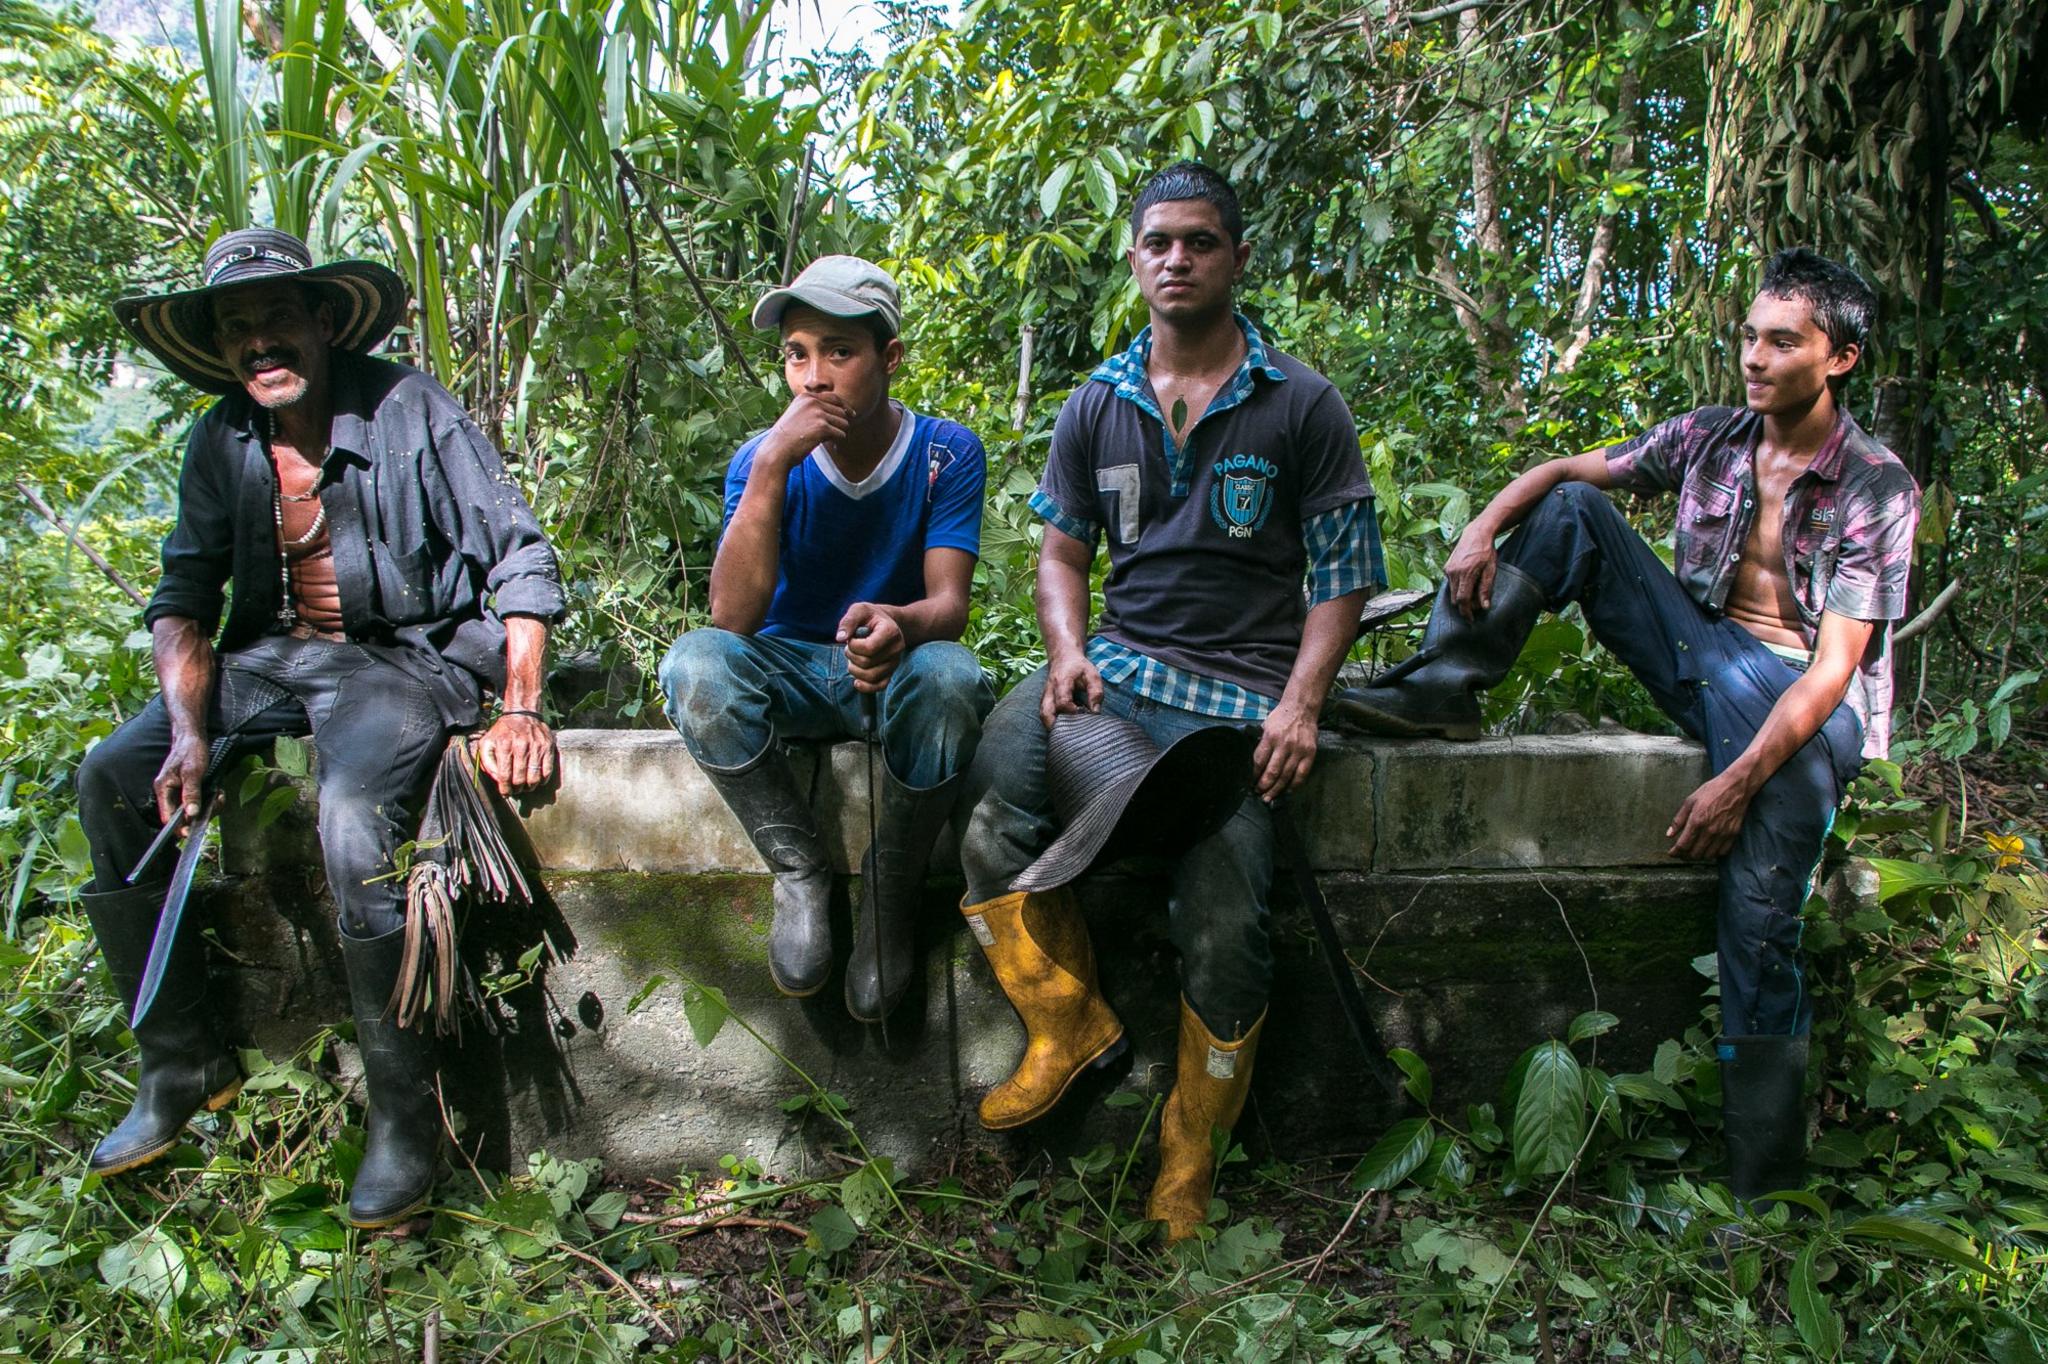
529, 714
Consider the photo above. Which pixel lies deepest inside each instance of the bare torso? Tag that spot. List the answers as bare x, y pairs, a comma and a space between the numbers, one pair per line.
1761, 600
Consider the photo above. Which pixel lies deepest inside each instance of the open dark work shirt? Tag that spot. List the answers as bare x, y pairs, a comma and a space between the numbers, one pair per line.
433, 542
1848, 530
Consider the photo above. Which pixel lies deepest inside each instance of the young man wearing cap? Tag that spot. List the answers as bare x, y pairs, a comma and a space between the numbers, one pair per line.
840, 591
1793, 545
1227, 479
387, 575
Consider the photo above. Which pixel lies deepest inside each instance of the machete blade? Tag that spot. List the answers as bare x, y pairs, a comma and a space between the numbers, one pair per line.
173, 914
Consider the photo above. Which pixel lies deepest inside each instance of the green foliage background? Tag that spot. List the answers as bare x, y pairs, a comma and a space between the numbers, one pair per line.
1507, 229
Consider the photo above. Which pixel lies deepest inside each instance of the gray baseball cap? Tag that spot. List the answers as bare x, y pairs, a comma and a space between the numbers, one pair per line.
839, 286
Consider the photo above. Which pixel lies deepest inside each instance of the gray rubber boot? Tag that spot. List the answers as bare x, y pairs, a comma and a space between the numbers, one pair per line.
777, 818
892, 884
404, 1125
1435, 693
1763, 1116
184, 1067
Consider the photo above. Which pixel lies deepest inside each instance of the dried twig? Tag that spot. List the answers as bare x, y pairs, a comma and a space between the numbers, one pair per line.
1920, 623
44, 510
725, 332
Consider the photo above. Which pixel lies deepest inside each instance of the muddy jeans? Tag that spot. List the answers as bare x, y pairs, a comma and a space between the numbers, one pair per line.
379, 733
1217, 908
731, 695
1717, 682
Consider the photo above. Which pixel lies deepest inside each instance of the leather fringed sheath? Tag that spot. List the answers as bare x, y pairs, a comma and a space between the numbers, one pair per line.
461, 853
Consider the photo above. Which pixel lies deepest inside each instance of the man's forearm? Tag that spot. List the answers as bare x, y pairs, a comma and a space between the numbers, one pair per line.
526, 656
744, 571
184, 671
1326, 636
1797, 716
1061, 598
929, 619
1514, 502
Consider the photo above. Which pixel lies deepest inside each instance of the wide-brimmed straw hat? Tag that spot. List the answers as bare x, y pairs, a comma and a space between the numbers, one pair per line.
177, 328
1118, 794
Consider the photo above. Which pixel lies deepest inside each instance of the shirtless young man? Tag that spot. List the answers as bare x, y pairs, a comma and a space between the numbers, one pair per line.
1768, 643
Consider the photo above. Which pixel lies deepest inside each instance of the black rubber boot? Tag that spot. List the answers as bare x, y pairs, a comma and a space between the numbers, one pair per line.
892, 884
1763, 1083
778, 820
184, 1067
1435, 693
404, 1125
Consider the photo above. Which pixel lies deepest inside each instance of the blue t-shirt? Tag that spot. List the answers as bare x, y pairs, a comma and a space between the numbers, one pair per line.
849, 542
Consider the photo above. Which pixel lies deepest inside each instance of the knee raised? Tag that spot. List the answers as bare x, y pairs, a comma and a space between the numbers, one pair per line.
1577, 497
700, 656
949, 672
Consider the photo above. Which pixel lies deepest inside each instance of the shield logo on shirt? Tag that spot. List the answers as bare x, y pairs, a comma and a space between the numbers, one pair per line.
1244, 498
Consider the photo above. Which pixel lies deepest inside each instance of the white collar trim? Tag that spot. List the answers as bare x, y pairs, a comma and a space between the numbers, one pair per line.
881, 473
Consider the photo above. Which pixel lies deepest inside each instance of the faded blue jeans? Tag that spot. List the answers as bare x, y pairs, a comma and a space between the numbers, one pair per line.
730, 696
1717, 682
1217, 906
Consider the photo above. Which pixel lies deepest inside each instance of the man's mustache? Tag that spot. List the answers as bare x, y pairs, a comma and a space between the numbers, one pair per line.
282, 357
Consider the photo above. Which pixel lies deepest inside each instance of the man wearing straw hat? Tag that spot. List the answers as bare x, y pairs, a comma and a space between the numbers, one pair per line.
1242, 543
386, 575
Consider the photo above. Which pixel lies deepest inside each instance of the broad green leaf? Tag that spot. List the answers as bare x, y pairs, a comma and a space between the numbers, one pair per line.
1817, 1323
150, 1265
865, 1195
831, 1231
1418, 1084
1550, 1111
1928, 1238
1055, 187
1895, 877
1592, 1023
1201, 119
1394, 1156
292, 756
705, 1008
1101, 186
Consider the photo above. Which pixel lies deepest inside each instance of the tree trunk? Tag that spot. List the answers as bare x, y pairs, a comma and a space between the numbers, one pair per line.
1602, 248
1499, 358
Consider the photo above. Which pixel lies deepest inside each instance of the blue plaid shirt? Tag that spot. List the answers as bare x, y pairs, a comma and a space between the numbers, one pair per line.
1343, 544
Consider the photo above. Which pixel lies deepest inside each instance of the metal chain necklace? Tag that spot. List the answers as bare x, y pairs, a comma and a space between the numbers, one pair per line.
287, 614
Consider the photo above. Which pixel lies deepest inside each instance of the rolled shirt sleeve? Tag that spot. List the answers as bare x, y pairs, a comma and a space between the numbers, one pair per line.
1653, 462
1344, 551
198, 554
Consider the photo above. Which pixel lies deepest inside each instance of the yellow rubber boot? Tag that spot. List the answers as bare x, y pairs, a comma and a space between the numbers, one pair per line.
1038, 948
1209, 1088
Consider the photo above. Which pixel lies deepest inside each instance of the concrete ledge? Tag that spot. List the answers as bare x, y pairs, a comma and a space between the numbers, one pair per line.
632, 800
1487, 891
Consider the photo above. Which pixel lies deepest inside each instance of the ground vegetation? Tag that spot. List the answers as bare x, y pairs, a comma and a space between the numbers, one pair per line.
1507, 228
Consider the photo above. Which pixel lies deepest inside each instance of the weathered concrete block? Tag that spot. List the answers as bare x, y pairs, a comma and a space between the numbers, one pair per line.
1484, 892
1465, 970
1533, 801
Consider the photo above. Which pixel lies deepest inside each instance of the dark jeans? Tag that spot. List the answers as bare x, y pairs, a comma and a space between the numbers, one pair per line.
379, 734
1217, 908
1718, 682
731, 695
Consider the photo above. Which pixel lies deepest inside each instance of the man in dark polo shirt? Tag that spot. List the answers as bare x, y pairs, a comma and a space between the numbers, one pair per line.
1242, 543
1768, 643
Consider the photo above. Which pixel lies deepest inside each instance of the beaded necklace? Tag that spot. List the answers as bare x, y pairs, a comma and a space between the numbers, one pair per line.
287, 614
